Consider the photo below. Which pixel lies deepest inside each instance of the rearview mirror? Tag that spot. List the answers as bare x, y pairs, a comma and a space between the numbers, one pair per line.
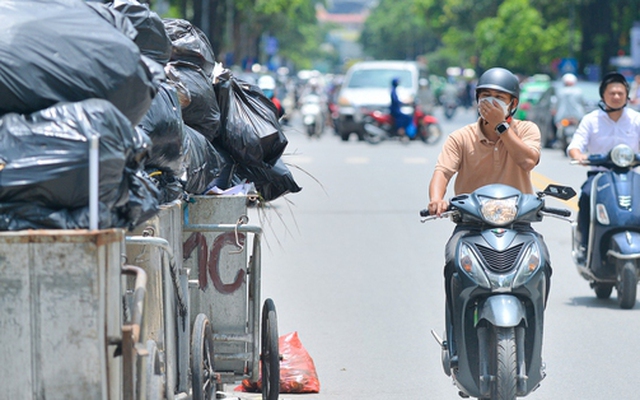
559, 191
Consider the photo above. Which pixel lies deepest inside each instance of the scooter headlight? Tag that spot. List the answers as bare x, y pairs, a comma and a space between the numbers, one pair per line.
530, 262
471, 266
498, 211
622, 155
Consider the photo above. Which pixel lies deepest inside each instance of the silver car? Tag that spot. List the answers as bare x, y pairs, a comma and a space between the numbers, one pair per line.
367, 88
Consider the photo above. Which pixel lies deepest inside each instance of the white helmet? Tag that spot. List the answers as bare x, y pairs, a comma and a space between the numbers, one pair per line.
266, 82
569, 79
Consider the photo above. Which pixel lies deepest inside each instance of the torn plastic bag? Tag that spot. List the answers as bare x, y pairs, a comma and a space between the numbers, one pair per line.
271, 181
202, 113
203, 163
297, 370
250, 130
63, 51
190, 44
151, 37
44, 176
163, 124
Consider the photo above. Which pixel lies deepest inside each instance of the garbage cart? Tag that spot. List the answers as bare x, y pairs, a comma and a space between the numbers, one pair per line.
156, 247
62, 331
231, 340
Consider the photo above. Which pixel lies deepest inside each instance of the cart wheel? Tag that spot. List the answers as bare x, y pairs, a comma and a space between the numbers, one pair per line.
154, 379
203, 379
270, 356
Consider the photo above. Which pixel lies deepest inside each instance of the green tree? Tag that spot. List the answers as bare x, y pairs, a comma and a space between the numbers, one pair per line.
239, 26
519, 39
395, 30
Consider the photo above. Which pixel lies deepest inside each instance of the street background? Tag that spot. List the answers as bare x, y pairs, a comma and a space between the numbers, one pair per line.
354, 272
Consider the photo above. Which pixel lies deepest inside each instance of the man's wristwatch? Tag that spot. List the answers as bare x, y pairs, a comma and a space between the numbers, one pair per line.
501, 128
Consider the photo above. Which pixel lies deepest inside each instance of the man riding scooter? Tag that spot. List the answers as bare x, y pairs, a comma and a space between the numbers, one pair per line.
403, 122
598, 132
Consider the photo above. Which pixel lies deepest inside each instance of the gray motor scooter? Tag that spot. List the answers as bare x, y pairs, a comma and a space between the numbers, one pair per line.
493, 340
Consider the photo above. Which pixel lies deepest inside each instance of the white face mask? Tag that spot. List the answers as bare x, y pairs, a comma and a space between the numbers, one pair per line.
505, 107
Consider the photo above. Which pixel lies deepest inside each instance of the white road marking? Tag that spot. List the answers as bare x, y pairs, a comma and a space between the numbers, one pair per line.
357, 160
414, 160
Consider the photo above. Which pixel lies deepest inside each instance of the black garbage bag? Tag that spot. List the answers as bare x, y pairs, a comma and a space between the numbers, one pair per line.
44, 179
250, 130
270, 181
164, 126
169, 186
203, 163
151, 38
63, 51
115, 18
190, 44
202, 113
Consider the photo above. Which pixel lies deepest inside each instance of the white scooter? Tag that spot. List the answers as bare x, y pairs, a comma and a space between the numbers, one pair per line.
313, 115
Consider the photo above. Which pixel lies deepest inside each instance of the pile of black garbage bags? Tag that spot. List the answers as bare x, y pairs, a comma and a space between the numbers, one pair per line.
170, 121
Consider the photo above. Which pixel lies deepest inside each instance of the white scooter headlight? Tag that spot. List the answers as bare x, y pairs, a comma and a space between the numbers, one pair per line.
498, 211
471, 266
529, 263
622, 155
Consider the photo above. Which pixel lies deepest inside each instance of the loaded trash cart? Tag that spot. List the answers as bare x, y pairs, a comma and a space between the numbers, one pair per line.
232, 340
62, 332
156, 247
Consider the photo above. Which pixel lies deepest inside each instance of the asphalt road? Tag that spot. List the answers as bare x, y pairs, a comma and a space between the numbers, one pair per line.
354, 272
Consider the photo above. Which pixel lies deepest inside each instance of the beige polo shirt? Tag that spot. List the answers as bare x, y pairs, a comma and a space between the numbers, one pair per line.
479, 161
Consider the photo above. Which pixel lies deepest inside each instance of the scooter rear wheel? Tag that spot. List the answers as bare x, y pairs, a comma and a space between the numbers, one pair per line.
603, 290
430, 133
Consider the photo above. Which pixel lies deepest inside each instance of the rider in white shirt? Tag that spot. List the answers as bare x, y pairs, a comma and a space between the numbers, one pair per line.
600, 131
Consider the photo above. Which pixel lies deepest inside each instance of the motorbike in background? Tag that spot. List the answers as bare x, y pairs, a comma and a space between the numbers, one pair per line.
565, 128
379, 126
312, 110
494, 328
613, 246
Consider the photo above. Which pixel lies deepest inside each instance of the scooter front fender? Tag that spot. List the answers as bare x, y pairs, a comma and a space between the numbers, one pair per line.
502, 310
625, 245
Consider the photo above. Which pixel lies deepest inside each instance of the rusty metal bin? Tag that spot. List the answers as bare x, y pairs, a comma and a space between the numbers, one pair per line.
61, 314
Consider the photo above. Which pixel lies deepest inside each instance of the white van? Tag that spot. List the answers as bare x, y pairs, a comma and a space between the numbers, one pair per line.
367, 87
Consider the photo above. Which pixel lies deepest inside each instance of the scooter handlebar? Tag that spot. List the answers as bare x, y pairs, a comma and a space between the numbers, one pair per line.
557, 211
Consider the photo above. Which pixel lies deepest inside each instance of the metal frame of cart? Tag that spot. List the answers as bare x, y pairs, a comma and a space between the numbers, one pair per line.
224, 288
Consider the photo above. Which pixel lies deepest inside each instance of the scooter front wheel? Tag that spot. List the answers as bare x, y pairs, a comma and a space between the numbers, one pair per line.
506, 365
627, 285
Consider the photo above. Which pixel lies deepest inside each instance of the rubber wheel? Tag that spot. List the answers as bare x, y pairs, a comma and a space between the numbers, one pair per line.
270, 352
376, 139
506, 365
203, 379
627, 285
603, 290
154, 385
430, 133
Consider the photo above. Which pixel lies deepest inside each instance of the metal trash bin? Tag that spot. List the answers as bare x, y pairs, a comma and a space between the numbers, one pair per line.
61, 314
224, 280
156, 247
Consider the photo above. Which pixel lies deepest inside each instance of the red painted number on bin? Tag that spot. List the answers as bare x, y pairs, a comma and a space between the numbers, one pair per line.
209, 261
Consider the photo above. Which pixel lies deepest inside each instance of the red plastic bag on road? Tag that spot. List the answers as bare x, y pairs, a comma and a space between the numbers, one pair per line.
297, 370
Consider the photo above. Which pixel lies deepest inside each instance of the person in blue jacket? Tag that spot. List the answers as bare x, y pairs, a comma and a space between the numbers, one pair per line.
403, 122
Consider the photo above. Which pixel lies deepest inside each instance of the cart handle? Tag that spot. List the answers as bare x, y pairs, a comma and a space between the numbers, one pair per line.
138, 298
